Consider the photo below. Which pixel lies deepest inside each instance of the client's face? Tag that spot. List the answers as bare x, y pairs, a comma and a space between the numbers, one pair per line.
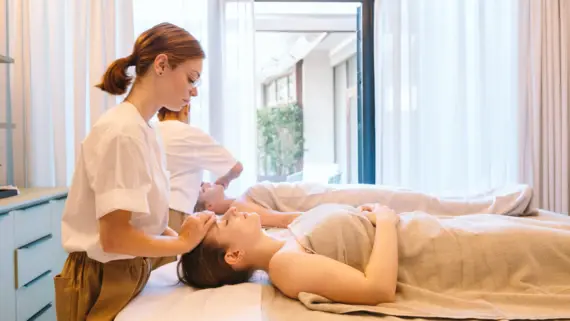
211, 194
237, 232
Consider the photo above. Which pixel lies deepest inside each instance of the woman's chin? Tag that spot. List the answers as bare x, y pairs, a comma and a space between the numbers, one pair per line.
176, 108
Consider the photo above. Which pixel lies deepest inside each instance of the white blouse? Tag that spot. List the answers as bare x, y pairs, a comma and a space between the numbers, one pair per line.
121, 166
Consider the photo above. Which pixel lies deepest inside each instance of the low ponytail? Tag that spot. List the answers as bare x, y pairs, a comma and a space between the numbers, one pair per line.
165, 38
116, 80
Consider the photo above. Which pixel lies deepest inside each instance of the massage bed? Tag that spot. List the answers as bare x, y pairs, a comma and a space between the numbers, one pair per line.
166, 299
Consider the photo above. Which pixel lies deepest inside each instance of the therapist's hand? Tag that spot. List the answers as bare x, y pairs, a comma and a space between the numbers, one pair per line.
224, 181
195, 227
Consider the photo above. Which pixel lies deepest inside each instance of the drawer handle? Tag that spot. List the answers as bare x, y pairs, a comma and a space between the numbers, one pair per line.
40, 312
36, 242
37, 278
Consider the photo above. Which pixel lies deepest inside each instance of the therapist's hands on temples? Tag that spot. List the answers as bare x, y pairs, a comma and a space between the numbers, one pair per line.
195, 227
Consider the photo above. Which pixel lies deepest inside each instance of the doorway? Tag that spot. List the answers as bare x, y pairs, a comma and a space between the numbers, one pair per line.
309, 104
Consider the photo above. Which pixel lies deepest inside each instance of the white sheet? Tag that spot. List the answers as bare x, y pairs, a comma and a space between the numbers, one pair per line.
164, 298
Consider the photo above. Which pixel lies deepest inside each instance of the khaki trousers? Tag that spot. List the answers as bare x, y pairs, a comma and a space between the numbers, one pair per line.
93, 291
175, 219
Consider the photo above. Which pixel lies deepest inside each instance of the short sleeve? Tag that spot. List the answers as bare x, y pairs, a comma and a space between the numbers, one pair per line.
212, 156
119, 175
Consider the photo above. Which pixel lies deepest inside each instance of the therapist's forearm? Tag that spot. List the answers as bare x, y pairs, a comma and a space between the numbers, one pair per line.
234, 173
130, 241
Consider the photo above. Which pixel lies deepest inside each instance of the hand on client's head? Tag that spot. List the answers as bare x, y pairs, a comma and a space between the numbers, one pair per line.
195, 227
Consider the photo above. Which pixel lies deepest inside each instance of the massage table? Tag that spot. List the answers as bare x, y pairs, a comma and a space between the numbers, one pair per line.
166, 299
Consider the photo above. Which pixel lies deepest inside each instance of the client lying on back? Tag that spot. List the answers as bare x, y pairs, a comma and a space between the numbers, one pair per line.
278, 204
236, 246
358, 256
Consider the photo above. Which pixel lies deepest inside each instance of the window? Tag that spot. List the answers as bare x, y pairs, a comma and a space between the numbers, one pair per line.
292, 88
271, 94
281, 91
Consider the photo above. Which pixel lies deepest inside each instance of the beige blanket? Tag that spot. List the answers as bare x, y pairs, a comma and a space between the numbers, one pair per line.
303, 196
480, 266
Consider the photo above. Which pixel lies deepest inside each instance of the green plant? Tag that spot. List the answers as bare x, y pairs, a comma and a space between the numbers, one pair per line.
280, 137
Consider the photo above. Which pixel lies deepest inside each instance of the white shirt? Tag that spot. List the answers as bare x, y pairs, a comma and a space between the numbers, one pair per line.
190, 151
121, 165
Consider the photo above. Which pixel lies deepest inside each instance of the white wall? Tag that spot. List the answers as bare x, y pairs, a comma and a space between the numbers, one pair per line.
318, 108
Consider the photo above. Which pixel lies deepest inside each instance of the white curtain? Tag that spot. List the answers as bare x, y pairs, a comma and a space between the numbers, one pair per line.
446, 94
61, 48
544, 101
238, 110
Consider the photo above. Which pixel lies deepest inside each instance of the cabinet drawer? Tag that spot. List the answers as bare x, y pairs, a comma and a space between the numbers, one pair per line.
47, 313
32, 223
35, 296
34, 259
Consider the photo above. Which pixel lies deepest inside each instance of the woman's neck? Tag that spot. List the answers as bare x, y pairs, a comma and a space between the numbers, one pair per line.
261, 254
142, 97
225, 205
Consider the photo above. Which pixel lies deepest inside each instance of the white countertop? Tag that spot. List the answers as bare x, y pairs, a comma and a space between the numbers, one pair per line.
31, 196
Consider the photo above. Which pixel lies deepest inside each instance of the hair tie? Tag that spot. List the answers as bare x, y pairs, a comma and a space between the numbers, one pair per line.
132, 60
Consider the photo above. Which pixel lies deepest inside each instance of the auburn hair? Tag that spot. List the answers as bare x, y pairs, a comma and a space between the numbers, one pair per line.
165, 38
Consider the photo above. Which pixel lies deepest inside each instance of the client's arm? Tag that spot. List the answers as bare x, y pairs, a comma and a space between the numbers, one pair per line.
269, 217
295, 272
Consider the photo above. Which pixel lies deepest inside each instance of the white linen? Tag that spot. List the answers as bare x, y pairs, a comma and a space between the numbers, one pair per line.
302, 196
164, 298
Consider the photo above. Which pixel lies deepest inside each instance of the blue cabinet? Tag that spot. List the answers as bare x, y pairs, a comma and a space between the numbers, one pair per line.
30, 253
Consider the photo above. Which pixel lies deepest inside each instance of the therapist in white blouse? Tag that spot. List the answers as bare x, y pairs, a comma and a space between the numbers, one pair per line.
115, 220
189, 152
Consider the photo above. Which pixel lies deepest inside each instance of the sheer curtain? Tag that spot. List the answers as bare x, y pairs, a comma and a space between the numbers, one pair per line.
446, 77
61, 49
545, 101
237, 91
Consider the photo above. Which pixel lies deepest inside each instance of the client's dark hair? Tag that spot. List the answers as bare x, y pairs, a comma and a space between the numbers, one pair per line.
205, 267
200, 206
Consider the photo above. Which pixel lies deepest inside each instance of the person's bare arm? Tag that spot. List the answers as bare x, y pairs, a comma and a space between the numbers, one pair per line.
269, 217
232, 174
118, 236
293, 272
